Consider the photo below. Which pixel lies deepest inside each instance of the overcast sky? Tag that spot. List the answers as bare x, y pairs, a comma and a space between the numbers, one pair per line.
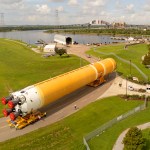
38, 12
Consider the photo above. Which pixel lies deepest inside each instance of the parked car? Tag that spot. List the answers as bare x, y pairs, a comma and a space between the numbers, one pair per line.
130, 88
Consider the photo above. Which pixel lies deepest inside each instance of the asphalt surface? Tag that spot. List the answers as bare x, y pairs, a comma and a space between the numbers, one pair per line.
64, 106
82, 97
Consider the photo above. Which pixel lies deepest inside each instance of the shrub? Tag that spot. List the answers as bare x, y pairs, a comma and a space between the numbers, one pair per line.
146, 60
134, 140
60, 51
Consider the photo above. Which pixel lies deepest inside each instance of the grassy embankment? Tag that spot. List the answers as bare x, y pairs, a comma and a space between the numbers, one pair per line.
67, 134
20, 66
133, 53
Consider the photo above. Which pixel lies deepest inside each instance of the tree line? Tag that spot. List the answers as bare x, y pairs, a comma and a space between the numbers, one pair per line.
38, 27
112, 32
77, 29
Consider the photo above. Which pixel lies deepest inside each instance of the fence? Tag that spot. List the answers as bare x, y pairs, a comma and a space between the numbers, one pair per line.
107, 125
126, 61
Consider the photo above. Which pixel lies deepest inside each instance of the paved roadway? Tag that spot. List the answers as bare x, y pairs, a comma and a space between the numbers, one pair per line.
65, 106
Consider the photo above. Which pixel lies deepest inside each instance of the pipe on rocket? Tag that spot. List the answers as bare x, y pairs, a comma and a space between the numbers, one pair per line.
43, 93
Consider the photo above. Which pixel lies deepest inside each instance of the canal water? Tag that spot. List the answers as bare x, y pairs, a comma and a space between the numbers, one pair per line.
32, 36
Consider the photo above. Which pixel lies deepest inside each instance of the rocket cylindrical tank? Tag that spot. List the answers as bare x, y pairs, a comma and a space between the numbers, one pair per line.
43, 93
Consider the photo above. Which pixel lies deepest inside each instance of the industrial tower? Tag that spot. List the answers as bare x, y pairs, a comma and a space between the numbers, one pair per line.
57, 17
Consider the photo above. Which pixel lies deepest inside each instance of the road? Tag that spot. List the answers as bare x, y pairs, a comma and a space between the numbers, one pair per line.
118, 145
80, 50
64, 106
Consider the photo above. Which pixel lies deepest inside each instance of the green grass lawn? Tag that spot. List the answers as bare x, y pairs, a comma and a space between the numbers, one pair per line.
146, 135
133, 53
106, 141
68, 133
20, 66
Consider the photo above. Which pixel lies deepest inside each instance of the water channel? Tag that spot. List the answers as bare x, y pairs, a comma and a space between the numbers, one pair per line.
32, 36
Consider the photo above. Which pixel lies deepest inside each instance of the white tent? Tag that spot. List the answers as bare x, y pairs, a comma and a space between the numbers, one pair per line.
50, 48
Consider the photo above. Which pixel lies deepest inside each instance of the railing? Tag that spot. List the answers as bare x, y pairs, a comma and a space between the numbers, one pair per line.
126, 61
107, 125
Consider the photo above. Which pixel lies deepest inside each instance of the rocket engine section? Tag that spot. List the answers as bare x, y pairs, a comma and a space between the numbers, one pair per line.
43, 93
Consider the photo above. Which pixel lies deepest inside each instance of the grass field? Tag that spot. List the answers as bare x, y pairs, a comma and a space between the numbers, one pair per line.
106, 141
133, 53
20, 66
146, 134
67, 134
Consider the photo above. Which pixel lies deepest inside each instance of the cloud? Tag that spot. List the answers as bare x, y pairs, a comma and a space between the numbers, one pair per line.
43, 9
60, 8
56, 0
147, 8
10, 1
32, 18
13, 6
72, 2
80, 11
95, 2
118, 4
129, 9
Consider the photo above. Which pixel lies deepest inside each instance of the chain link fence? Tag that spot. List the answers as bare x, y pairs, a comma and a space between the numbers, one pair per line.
107, 125
125, 61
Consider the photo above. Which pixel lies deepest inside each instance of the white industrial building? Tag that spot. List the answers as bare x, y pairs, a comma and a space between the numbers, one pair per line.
50, 48
65, 40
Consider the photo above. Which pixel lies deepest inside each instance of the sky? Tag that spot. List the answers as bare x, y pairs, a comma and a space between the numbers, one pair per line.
52, 12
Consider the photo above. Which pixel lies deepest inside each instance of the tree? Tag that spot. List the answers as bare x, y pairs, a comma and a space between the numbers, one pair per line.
61, 51
148, 47
134, 140
146, 60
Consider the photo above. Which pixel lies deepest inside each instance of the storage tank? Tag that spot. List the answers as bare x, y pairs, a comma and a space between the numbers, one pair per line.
43, 93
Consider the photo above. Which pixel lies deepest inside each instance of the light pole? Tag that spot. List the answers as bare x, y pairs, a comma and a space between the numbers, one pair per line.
145, 102
130, 67
126, 87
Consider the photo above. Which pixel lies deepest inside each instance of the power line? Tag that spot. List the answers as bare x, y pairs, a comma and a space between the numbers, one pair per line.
57, 17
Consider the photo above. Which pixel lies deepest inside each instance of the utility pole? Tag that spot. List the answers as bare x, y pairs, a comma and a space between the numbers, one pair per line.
126, 87
145, 102
130, 68
57, 17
